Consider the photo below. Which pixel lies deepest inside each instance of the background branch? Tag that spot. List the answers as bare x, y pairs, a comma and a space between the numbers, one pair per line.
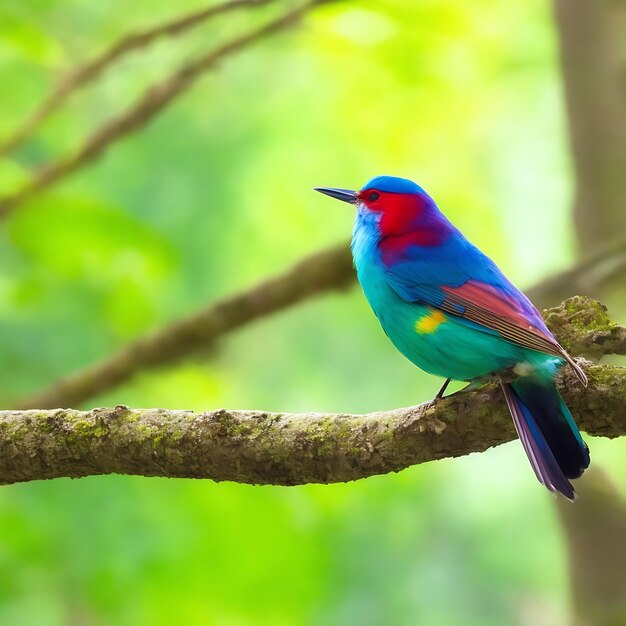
321, 272
594, 275
318, 273
86, 73
151, 102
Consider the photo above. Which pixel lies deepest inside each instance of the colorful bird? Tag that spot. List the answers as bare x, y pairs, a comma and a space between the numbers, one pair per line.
449, 309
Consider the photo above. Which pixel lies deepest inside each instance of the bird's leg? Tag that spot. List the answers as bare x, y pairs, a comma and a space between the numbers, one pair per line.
442, 390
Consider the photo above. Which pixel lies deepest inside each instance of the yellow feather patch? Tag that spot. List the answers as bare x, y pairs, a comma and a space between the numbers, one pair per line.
430, 322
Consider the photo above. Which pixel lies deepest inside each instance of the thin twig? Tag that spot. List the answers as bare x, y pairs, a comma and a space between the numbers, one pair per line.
89, 71
150, 103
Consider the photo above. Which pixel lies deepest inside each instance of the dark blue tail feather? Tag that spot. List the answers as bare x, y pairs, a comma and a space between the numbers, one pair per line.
548, 432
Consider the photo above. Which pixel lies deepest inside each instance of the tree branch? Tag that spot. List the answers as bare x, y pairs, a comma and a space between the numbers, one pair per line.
86, 73
326, 270
289, 449
593, 275
150, 104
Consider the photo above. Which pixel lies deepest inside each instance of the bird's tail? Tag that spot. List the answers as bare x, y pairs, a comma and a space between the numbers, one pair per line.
548, 432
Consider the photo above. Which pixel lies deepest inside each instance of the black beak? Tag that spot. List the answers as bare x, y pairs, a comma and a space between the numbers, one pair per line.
340, 194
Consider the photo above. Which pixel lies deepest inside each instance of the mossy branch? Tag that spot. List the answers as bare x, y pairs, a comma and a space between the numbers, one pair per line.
288, 449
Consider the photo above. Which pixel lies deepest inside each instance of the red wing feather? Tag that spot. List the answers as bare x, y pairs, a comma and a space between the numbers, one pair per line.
489, 307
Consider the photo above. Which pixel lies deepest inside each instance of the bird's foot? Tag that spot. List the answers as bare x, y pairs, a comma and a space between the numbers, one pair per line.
440, 393
474, 384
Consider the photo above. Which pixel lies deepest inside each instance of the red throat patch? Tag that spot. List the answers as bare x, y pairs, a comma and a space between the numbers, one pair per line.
401, 225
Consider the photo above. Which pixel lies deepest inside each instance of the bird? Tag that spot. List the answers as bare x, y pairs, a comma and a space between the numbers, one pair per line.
449, 309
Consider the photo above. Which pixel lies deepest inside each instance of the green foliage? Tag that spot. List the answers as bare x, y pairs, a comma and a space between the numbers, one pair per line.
215, 194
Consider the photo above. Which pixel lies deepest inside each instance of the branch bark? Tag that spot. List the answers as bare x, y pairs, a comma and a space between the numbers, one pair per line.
147, 107
89, 71
288, 449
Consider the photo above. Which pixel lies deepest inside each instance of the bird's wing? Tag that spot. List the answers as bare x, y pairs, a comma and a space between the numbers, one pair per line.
461, 281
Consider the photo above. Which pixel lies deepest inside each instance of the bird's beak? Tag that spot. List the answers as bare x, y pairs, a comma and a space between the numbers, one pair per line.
340, 194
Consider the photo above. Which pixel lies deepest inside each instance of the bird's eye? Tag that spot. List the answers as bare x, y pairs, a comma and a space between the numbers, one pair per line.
372, 197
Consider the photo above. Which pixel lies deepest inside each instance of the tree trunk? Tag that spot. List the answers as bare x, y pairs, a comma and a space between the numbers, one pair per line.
593, 57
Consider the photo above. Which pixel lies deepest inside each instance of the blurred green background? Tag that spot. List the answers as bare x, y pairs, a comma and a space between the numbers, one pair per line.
215, 194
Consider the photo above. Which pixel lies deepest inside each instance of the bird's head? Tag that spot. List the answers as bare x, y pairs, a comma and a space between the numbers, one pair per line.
398, 205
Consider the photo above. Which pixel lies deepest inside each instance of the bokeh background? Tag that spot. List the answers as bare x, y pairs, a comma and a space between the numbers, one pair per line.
211, 197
